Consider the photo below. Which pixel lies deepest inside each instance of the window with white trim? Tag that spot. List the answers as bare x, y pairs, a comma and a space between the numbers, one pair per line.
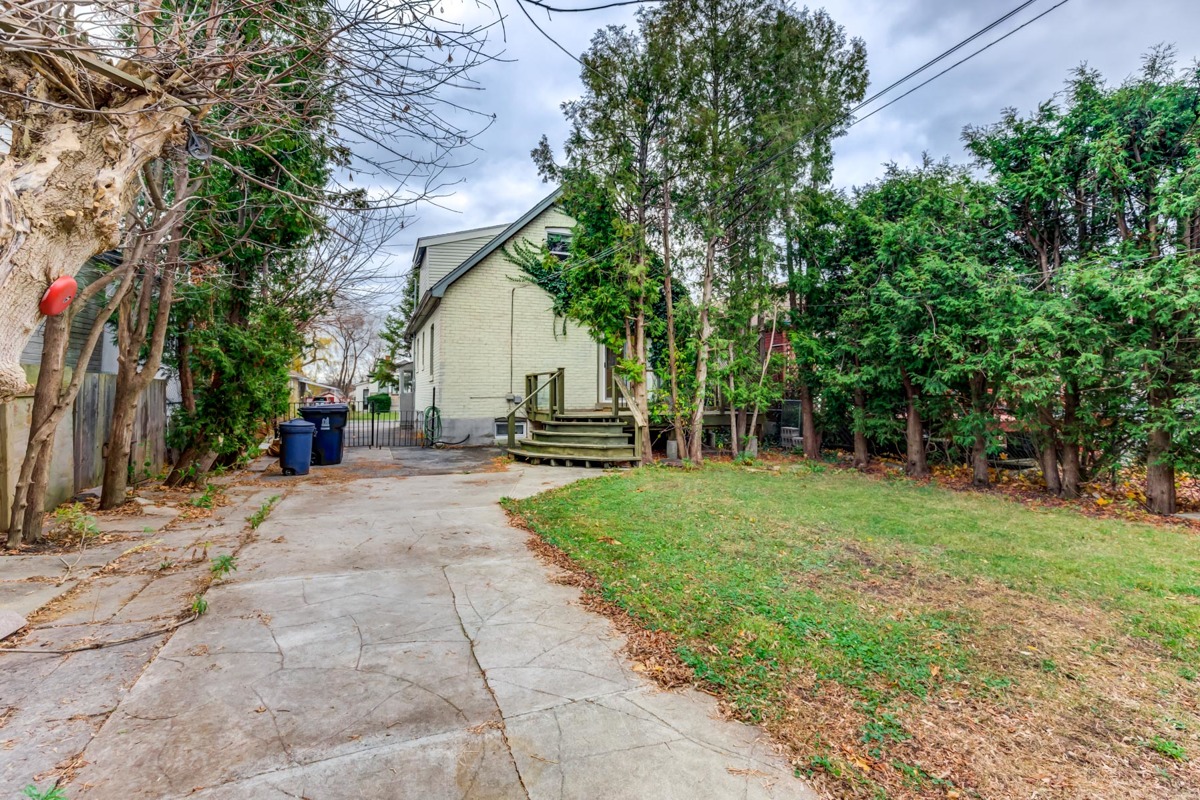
558, 242
502, 428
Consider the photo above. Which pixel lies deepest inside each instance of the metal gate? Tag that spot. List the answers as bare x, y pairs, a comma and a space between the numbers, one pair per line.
366, 427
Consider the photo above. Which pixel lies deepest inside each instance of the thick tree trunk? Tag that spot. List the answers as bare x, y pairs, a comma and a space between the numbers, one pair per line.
39, 487
1160, 474
120, 441
61, 202
979, 462
916, 464
808, 424
862, 455
1048, 452
1160, 470
696, 434
1049, 457
1072, 472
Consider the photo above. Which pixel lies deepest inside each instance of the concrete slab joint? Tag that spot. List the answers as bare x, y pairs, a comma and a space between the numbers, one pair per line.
394, 638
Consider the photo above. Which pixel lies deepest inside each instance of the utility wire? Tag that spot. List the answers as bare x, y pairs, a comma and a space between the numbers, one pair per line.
896, 84
821, 129
766, 163
551, 39
968, 58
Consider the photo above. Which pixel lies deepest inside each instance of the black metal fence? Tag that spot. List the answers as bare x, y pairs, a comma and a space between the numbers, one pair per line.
366, 427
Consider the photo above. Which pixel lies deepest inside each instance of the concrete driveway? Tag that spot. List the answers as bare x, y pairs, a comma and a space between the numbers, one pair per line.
394, 638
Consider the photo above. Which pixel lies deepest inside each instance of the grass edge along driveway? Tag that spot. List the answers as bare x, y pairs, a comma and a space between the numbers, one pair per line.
903, 640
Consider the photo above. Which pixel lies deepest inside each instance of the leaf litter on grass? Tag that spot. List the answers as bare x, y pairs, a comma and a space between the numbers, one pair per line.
888, 663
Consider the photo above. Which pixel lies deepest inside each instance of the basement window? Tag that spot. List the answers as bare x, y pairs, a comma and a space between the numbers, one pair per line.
502, 428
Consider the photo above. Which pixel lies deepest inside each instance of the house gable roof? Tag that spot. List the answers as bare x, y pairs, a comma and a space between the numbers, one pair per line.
439, 288
454, 236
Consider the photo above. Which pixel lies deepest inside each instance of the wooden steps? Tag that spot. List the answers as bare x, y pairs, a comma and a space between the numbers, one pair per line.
586, 437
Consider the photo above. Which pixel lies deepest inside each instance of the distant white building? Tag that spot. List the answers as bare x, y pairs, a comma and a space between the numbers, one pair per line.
402, 396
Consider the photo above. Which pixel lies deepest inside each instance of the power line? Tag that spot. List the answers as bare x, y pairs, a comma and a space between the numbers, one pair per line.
968, 58
895, 84
816, 131
768, 161
551, 39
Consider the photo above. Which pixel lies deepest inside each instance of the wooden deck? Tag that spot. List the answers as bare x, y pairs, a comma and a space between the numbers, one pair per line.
604, 435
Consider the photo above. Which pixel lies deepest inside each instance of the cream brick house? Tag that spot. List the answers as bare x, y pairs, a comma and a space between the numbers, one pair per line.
480, 327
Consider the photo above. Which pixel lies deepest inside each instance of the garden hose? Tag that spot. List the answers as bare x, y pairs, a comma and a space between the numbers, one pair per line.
433, 426
433, 429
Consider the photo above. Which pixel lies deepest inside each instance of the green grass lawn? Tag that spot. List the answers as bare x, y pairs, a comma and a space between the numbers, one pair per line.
385, 416
888, 631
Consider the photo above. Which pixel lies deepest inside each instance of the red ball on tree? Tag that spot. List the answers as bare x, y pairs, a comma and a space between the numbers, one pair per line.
58, 296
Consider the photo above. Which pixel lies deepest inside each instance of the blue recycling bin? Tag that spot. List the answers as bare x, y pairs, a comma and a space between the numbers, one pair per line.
330, 421
295, 446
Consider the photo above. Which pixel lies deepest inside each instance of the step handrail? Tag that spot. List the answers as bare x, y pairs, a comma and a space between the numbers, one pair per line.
557, 375
638, 421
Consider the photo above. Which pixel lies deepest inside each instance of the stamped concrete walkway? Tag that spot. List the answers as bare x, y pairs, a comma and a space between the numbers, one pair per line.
394, 638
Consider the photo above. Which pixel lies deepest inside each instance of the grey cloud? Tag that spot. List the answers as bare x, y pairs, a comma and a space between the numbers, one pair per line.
1029, 67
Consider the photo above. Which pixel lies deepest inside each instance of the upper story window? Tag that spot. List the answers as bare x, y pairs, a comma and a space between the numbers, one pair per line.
558, 241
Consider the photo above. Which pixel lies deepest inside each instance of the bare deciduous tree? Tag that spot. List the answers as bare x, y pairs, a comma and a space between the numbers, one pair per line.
91, 93
352, 333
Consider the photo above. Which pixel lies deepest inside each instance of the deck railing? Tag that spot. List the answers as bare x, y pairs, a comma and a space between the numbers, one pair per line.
545, 395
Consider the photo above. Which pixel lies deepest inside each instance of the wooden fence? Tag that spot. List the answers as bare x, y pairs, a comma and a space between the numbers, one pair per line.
79, 446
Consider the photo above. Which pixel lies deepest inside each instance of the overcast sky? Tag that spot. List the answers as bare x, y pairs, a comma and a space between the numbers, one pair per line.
1030, 66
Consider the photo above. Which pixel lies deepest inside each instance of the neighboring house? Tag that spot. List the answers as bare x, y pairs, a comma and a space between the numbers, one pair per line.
480, 327
301, 388
402, 395
78, 462
362, 391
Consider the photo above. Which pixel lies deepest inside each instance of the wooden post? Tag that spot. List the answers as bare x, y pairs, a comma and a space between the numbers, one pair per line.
560, 392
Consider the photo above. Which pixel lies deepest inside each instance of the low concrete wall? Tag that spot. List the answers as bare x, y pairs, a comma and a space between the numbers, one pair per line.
79, 443
478, 432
